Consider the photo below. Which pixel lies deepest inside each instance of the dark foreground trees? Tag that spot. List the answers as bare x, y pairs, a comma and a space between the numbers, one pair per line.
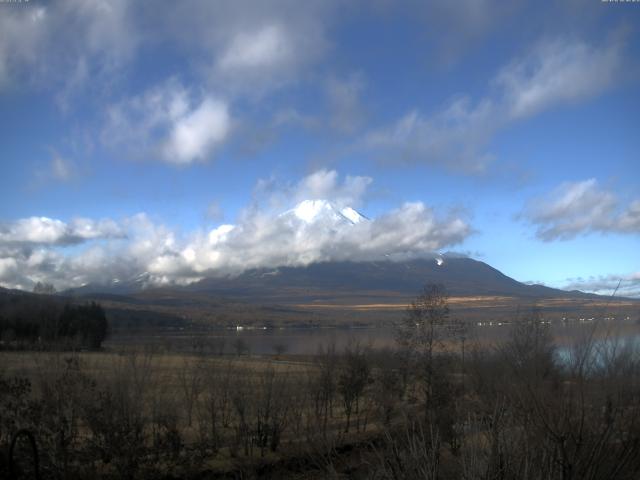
43, 321
525, 412
128, 416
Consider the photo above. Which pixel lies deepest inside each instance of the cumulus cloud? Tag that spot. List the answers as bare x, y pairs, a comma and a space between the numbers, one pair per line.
169, 122
575, 208
623, 285
274, 197
458, 136
325, 184
264, 240
35, 251
196, 133
262, 236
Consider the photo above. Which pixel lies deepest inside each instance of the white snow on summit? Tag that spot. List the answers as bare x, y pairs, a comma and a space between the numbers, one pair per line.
311, 211
352, 215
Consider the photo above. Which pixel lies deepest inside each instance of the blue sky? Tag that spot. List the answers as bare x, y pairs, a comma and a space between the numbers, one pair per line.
170, 137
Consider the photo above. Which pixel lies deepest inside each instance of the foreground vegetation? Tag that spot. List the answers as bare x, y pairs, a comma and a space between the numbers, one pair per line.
519, 410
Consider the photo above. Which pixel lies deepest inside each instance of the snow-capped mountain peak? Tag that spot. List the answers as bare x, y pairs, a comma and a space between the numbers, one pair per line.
352, 215
312, 211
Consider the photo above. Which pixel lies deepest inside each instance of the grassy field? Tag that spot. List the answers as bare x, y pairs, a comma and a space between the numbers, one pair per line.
367, 308
184, 412
141, 412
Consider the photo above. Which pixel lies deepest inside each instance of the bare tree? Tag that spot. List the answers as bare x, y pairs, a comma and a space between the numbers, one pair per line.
459, 329
322, 386
530, 349
354, 376
190, 380
411, 453
388, 387
116, 413
271, 409
422, 331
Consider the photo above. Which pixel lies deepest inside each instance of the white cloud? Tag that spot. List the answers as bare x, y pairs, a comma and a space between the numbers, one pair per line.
575, 208
458, 135
455, 137
557, 72
627, 285
267, 47
250, 49
325, 184
275, 197
629, 220
239, 49
34, 230
261, 237
194, 135
44, 230
63, 44
169, 122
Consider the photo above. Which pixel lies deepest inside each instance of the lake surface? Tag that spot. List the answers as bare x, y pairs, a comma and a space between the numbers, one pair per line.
307, 341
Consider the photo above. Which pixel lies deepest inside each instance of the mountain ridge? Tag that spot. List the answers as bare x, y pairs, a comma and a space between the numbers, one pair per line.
461, 276
338, 293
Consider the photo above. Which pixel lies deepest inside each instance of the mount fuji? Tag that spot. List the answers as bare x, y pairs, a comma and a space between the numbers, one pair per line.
323, 212
334, 289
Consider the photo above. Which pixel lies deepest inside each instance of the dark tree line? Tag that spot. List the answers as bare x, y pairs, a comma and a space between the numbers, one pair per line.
88, 322
29, 320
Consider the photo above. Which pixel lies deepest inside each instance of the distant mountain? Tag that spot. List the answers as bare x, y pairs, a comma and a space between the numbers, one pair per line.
461, 276
335, 293
327, 290
115, 287
324, 213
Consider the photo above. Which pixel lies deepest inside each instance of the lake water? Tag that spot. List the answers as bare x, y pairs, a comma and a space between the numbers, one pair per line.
306, 341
